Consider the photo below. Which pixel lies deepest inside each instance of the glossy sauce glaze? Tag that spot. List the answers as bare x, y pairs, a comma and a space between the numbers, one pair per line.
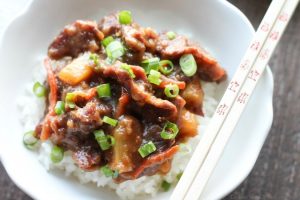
141, 109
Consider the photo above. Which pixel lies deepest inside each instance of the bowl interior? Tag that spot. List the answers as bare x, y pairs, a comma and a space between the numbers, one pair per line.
216, 25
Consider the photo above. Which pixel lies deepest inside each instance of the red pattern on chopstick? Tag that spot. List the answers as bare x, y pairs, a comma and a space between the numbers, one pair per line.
236, 97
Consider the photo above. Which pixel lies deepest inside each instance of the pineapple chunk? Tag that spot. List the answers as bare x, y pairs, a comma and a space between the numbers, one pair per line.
80, 69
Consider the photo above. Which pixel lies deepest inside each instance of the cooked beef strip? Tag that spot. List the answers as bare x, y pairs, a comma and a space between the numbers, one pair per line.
75, 39
140, 90
87, 157
110, 25
208, 68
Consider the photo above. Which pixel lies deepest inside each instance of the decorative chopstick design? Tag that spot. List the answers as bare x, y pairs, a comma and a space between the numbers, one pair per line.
241, 101
234, 100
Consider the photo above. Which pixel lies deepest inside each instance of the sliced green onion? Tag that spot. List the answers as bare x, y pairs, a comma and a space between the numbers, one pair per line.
59, 108
109, 60
108, 172
125, 17
115, 50
103, 90
112, 140
95, 58
105, 141
151, 63
166, 67
188, 64
171, 35
106, 41
147, 149
171, 90
29, 139
169, 131
154, 77
165, 185
57, 154
128, 69
179, 176
70, 97
110, 121
39, 90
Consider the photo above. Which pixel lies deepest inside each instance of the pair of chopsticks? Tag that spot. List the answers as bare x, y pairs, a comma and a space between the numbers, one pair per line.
229, 110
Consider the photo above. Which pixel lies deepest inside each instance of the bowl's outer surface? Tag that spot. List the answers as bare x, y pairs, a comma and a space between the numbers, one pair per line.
219, 26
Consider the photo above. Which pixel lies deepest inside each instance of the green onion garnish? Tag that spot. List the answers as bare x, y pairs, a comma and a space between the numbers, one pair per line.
169, 131
57, 154
154, 77
149, 64
125, 17
108, 172
171, 90
105, 141
171, 35
109, 60
114, 50
106, 41
29, 139
70, 97
128, 69
165, 185
39, 90
179, 176
59, 108
103, 90
95, 58
110, 121
166, 67
147, 149
188, 64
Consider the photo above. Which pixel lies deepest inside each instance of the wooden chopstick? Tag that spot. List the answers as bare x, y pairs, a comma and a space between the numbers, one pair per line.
248, 87
228, 100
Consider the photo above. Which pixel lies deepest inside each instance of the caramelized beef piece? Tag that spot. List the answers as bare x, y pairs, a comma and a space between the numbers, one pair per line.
180, 103
152, 133
87, 158
75, 39
208, 67
139, 39
171, 48
110, 25
122, 103
88, 118
133, 38
128, 137
166, 81
193, 95
139, 89
150, 165
80, 122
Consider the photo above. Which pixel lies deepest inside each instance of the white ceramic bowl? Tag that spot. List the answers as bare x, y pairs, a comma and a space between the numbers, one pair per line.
216, 24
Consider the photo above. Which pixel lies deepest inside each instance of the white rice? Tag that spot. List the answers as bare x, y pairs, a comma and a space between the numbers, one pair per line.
32, 109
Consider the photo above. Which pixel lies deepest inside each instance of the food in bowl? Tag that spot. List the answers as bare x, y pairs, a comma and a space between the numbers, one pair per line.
121, 102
